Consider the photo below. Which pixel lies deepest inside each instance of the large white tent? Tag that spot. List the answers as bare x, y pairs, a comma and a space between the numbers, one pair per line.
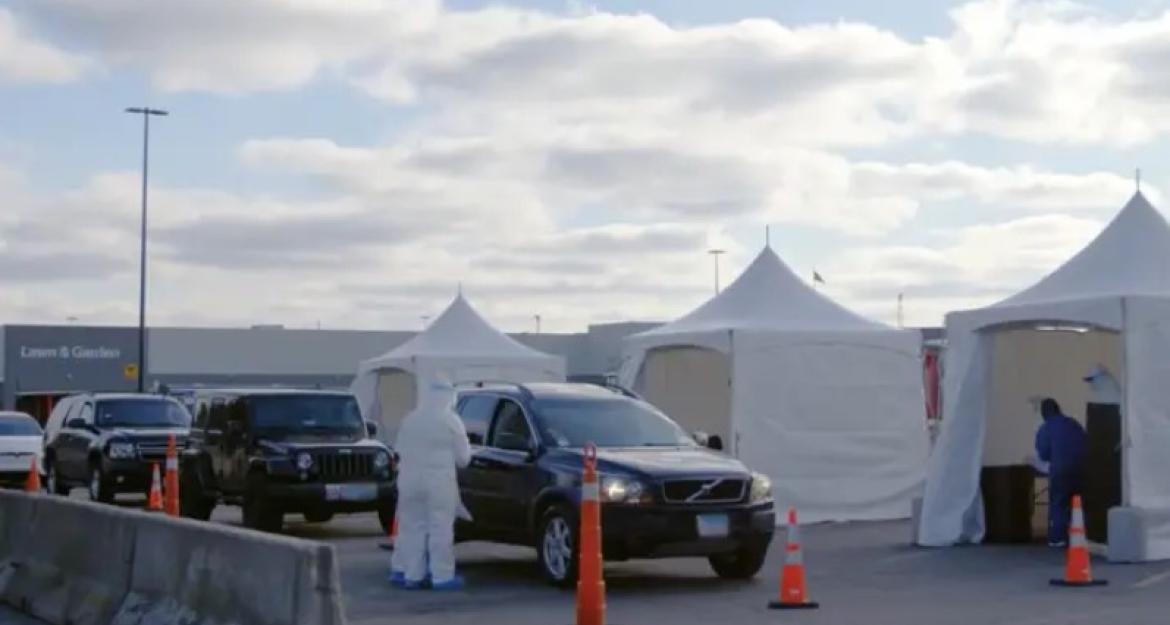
825, 402
1118, 285
460, 345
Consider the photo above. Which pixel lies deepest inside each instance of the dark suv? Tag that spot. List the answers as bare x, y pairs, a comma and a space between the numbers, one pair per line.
284, 451
108, 442
663, 495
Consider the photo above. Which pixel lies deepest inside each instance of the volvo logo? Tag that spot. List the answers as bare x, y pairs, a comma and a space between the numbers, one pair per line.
704, 490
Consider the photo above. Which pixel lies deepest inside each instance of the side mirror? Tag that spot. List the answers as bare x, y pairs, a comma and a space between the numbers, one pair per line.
371, 429
715, 442
77, 423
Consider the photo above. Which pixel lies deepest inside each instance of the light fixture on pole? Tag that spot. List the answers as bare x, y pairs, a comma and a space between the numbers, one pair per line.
715, 254
146, 114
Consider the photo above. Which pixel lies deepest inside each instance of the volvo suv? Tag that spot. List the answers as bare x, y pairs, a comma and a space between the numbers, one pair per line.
274, 452
109, 442
663, 495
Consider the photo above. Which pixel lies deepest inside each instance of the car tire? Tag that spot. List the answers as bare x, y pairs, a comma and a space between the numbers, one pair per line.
556, 546
743, 563
318, 516
259, 513
100, 489
193, 504
53, 483
386, 514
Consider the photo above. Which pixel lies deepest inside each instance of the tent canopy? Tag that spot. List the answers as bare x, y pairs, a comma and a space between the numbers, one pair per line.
1120, 281
460, 345
827, 403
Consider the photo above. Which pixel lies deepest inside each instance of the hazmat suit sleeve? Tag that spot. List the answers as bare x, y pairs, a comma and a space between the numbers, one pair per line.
460, 446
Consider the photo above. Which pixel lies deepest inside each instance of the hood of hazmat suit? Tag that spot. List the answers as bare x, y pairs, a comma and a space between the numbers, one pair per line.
1103, 387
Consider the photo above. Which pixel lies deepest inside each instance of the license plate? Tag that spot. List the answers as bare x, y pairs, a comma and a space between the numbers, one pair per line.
351, 492
712, 525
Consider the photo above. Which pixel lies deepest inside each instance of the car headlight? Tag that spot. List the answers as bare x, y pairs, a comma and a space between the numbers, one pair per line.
304, 461
761, 488
381, 460
621, 490
121, 450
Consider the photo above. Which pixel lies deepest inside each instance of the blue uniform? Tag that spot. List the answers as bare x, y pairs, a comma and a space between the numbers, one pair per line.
1060, 441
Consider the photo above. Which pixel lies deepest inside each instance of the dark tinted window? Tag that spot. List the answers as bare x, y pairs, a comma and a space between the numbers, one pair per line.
19, 426
303, 413
141, 413
477, 413
616, 422
510, 430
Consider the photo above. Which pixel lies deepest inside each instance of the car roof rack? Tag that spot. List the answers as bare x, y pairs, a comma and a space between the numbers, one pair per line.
527, 392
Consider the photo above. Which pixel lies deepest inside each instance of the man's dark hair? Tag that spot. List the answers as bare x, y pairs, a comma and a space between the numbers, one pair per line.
1049, 408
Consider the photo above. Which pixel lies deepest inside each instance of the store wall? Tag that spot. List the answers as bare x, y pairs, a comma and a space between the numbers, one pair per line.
43, 359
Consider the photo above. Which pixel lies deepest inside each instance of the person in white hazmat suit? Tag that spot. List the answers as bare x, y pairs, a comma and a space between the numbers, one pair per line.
432, 445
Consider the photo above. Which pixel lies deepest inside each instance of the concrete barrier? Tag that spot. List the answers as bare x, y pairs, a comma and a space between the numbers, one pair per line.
185, 573
75, 563
70, 563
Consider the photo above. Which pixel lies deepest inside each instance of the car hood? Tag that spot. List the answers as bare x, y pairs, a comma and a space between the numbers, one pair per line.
663, 462
20, 444
291, 445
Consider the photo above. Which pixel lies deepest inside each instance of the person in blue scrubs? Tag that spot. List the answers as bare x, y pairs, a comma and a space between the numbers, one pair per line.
1060, 442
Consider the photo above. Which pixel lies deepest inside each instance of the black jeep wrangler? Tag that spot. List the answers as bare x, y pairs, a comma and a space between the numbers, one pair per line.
284, 451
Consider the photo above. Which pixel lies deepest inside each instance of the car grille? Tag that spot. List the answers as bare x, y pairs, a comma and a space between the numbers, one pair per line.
332, 466
713, 490
156, 450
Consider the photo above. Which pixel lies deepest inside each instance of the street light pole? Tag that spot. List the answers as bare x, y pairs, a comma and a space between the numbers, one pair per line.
146, 114
715, 254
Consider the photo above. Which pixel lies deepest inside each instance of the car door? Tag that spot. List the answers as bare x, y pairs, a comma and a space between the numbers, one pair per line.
233, 457
54, 429
74, 458
505, 468
476, 412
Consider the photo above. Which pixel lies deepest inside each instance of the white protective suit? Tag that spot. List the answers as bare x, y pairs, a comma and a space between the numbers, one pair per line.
1103, 387
432, 445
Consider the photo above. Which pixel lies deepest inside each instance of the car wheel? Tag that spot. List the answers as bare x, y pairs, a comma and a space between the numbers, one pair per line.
100, 489
556, 546
259, 513
192, 502
743, 563
53, 482
318, 516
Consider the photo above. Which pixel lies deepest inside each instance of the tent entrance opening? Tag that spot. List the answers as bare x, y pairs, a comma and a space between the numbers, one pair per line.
692, 385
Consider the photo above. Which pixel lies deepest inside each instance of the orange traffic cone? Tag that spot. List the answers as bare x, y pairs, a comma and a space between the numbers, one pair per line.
392, 536
154, 503
590, 585
33, 483
171, 493
793, 592
1076, 568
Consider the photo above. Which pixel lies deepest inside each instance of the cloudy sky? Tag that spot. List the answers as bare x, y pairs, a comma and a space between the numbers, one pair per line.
349, 163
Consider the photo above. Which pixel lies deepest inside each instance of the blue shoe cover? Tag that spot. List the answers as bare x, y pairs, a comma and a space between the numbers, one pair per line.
397, 579
455, 583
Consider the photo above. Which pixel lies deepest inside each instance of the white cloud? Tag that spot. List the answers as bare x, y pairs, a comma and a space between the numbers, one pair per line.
24, 59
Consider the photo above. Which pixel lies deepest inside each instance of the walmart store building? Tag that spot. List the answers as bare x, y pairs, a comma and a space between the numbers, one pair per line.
42, 363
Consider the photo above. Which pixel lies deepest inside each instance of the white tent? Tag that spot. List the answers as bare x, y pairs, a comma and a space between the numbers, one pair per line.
459, 344
825, 402
1118, 285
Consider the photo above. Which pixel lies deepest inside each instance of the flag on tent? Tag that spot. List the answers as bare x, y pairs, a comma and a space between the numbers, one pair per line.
817, 277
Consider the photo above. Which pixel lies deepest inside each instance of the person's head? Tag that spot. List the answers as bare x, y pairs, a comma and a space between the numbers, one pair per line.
439, 394
1049, 408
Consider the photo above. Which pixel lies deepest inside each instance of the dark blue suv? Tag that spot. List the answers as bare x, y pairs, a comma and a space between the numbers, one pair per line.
663, 494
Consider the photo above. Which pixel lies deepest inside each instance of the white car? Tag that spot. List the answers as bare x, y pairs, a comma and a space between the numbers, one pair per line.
20, 445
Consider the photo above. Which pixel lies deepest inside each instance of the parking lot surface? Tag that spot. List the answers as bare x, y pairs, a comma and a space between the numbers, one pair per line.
860, 573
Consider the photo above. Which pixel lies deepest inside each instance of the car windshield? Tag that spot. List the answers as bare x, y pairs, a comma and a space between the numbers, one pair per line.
19, 426
141, 413
306, 413
616, 422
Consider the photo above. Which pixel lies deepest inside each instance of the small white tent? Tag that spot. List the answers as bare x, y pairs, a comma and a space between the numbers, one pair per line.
1118, 285
825, 402
459, 344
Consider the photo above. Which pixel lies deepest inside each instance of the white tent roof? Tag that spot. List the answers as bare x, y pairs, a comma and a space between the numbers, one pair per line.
460, 332
767, 296
1131, 256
